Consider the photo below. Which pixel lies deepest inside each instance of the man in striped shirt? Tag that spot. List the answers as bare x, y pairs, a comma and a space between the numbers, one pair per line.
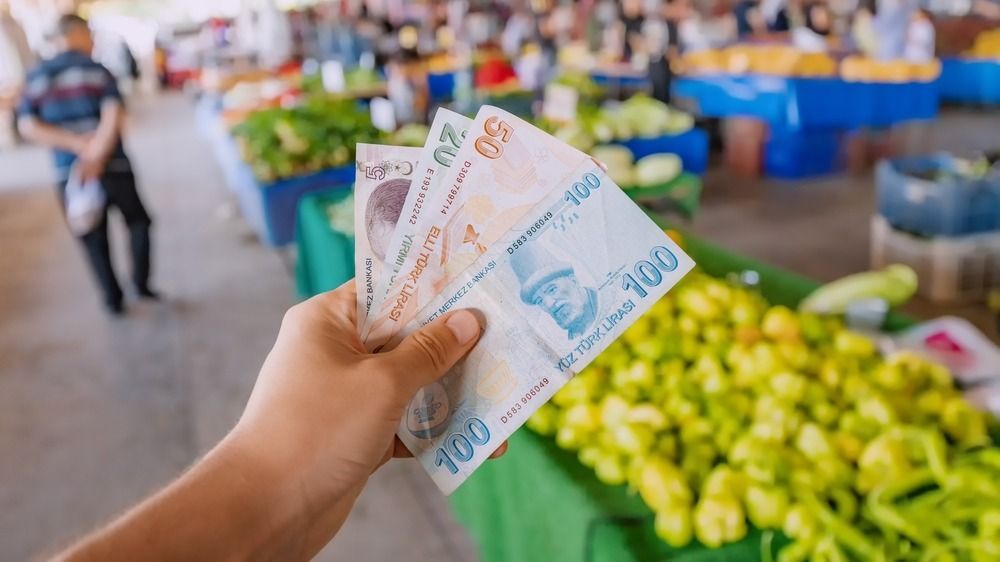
72, 104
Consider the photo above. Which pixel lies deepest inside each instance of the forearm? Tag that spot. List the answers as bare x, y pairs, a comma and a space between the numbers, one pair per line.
48, 135
230, 506
109, 129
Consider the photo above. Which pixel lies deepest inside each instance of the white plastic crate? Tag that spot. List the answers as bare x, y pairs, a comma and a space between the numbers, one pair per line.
950, 269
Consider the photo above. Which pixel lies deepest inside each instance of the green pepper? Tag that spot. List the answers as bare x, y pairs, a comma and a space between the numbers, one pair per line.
719, 520
723, 480
673, 526
781, 324
663, 486
800, 523
767, 506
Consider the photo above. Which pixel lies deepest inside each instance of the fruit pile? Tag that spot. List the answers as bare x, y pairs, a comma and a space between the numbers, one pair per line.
864, 69
724, 412
772, 60
638, 117
987, 45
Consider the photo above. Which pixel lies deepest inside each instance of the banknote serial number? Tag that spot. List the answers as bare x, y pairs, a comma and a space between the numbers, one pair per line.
524, 400
532, 230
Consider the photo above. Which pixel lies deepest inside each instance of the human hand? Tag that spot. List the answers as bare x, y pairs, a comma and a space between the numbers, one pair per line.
324, 412
92, 158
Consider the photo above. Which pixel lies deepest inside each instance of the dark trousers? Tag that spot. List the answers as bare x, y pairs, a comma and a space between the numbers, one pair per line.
660, 76
121, 194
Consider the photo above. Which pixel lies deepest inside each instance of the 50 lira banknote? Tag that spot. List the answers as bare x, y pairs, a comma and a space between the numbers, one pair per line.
562, 282
504, 167
382, 184
446, 134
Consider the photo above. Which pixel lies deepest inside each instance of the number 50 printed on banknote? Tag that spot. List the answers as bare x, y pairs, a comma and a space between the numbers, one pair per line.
570, 276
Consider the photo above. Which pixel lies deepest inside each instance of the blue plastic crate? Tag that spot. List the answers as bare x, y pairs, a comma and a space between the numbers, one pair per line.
945, 206
691, 146
802, 154
970, 81
736, 96
797, 104
270, 209
441, 85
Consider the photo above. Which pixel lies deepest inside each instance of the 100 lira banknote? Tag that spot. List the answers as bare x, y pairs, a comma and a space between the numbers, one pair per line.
382, 183
556, 288
504, 167
446, 134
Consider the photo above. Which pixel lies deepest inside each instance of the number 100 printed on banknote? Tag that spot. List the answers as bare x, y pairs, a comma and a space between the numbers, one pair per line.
570, 276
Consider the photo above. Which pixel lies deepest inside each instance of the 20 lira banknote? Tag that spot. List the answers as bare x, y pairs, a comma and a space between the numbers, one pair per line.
563, 283
443, 141
504, 167
382, 183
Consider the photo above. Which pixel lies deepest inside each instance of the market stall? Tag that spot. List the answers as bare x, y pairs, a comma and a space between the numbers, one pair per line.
804, 107
973, 77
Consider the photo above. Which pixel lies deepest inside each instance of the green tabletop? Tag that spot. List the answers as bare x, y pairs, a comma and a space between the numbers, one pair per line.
682, 193
325, 257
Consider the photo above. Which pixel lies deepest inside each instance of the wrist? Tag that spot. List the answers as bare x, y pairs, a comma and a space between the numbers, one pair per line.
267, 501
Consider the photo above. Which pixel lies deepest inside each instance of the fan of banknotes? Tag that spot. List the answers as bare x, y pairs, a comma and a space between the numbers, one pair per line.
497, 216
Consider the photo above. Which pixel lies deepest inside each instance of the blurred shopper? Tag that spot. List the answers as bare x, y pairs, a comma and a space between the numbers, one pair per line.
632, 22
863, 32
775, 15
659, 35
72, 104
813, 36
892, 23
920, 38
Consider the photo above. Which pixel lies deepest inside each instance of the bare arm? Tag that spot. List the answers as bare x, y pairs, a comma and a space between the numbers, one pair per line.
108, 130
321, 419
49, 135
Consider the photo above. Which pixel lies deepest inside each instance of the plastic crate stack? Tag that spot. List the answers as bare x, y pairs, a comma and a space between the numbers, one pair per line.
970, 81
943, 224
803, 122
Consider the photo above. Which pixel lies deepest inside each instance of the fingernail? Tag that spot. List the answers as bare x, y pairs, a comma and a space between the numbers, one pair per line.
464, 326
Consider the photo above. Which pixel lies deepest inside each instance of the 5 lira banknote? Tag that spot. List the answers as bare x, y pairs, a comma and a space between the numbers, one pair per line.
502, 218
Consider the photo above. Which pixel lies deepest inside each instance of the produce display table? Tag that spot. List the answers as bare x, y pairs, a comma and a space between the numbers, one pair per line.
810, 103
325, 256
539, 503
975, 81
270, 209
683, 192
619, 78
690, 146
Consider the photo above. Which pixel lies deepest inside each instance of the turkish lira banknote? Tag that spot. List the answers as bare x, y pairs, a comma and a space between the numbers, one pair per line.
555, 289
443, 141
382, 183
504, 167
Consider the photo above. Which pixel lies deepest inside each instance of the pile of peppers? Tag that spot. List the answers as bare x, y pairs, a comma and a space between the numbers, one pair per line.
724, 413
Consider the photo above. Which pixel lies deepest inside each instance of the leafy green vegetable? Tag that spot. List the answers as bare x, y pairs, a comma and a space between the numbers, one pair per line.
318, 134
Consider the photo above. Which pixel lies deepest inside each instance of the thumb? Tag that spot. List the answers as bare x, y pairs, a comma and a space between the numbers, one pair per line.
428, 353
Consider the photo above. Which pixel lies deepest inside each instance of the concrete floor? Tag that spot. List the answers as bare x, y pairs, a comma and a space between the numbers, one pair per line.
95, 413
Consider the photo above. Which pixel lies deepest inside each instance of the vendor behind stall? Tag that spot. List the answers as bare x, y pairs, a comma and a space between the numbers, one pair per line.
812, 37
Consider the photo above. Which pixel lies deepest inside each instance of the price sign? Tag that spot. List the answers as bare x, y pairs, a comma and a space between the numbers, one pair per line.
383, 115
332, 73
560, 103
